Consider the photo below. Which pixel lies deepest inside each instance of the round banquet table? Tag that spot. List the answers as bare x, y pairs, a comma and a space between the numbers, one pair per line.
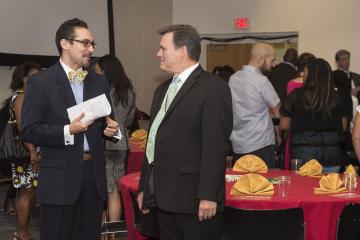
321, 212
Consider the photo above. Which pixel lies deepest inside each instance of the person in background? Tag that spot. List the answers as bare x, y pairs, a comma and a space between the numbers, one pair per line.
316, 117
298, 82
5, 167
356, 134
342, 58
224, 72
293, 84
72, 179
279, 77
191, 122
123, 98
254, 102
284, 72
348, 85
24, 174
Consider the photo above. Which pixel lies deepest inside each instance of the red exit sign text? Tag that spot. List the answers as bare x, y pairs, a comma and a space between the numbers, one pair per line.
242, 23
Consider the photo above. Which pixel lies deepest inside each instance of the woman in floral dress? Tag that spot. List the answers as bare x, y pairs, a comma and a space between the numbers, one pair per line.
24, 173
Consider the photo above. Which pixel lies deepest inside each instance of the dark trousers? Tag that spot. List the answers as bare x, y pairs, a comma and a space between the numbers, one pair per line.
266, 153
78, 221
179, 226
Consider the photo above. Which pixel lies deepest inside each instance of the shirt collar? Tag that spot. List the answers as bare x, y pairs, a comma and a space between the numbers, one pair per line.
252, 69
66, 68
347, 72
186, 73
289, 63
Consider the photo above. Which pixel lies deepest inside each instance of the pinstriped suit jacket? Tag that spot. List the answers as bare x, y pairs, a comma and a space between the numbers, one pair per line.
191, 144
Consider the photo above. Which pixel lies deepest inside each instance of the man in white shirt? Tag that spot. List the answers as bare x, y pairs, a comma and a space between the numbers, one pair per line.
254, 100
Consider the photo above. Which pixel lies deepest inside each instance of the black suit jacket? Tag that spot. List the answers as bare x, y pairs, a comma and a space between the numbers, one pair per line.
44, 115
279, 78
191, 144
343, 84
356, 78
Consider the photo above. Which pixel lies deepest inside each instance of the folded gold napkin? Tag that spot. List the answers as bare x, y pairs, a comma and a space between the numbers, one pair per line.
330, 184
252, 184
350, 169
312, 169
139, 137
250, 163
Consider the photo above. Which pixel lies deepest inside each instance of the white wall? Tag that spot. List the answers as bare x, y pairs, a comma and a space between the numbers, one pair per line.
137, 41
324, 26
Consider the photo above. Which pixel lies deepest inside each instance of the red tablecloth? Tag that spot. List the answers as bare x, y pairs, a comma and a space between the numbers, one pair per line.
129, 183
321, 212
135, 159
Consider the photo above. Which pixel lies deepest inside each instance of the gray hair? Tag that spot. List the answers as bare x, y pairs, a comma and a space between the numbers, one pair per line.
341, 53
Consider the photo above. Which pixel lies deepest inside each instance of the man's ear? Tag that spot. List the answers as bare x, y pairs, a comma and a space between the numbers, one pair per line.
64, 44
183, 52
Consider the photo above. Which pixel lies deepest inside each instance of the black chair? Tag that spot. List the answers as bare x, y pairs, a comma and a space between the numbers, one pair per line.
349, 223
146, 224
243, 224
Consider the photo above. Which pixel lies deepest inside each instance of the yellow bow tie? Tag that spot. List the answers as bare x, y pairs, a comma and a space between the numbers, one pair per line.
79, 75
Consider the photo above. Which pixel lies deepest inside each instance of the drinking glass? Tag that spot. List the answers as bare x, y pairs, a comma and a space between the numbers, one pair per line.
283, 186
350, 181
295, 164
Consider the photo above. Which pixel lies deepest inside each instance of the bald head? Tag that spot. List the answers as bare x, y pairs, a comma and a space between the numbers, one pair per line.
261, 50
262, 56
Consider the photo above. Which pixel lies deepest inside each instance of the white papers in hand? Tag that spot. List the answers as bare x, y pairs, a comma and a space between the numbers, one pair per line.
93, 108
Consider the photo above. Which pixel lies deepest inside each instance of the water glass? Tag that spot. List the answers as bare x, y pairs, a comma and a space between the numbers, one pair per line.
295, 164
350, 181
229, 162
283, 186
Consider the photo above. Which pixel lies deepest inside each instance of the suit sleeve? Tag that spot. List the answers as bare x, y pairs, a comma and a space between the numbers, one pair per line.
112, 114
34, 127
216, 129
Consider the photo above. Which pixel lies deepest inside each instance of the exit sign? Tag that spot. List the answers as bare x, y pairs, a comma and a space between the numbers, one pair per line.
242, 23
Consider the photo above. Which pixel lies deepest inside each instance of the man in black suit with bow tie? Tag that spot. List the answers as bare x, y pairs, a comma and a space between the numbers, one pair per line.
72, 183
191, 122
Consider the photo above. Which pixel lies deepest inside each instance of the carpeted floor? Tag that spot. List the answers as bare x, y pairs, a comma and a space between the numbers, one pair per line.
8, 223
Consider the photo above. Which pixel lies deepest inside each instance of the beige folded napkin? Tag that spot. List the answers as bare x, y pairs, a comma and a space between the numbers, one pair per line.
312, 169
250, 163
331, 183
350, 169
139, 138
252, 184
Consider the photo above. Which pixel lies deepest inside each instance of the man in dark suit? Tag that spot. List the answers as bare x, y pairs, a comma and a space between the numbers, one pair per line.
72, 183
284, 72
191, 122
342, 58
348, 85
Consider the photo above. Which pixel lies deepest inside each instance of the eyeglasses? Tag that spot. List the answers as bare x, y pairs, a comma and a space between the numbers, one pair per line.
85, 42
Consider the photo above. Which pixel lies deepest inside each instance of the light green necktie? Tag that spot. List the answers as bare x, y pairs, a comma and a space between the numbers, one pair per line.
169, 97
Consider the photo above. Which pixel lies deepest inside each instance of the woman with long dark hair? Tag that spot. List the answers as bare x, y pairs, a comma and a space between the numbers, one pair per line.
293, 84
316, 117
123, 99
25, 173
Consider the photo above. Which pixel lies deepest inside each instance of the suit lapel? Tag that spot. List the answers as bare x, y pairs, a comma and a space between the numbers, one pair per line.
64, 87
89, 88
190, 81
